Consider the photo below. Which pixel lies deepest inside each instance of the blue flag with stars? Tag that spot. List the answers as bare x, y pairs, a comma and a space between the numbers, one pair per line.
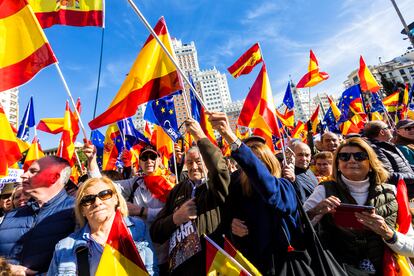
128, 135
376, 103
330, 121
27, 122
98, 139
288, 98
410, 98
348, 96
162, 112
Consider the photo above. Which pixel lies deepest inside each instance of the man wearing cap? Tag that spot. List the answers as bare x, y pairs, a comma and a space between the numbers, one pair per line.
146, 194
379, 135
6, 199
404, 139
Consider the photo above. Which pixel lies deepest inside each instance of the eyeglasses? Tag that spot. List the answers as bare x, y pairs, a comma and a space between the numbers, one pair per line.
151, 156
409, 128
385, 128
358, 156
90, 199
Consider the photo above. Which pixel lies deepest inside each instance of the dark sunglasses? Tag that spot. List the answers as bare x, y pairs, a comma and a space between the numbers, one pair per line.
6, 196
358, 156
151, 156
90, 199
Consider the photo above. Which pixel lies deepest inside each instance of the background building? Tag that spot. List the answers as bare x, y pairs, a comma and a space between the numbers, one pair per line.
10, 101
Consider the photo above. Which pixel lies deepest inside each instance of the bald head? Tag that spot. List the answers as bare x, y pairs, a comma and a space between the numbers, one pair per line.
302, 154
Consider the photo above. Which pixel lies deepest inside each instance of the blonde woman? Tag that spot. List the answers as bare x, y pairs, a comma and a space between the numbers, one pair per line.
97, 201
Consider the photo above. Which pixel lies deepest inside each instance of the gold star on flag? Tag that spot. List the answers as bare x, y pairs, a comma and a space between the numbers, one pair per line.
163, 110
171, 111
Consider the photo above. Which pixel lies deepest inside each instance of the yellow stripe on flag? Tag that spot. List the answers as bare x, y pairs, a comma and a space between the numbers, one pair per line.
50, 6
114, 263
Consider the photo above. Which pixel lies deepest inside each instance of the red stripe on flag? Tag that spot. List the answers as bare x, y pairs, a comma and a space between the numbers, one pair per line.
159, 29
10, 7
9, 154
150, 91
12, 76
70, 18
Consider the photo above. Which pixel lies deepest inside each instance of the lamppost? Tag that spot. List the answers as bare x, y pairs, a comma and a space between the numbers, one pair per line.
407, 30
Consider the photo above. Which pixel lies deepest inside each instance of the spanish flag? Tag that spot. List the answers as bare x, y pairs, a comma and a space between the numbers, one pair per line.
232, 251
35, 153
9, 149
110, 151
335, 110
314, 119
367, 80
147, 131
78, 13
287, 118
120, 256
392, 99
300, 131
66, 147
313, 77
219, 262
51, 125
259, 109
24, 49
163, 143
160, 78
246, 63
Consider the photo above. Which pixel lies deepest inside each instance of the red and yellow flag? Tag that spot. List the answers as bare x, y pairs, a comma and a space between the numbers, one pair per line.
238, 256
120, 256
163, 143
392, 99
218, 262
258, 109
147, 131
313, 77
24, 49
367, 80
287, 118
160, 78
241, 135
9, 149
110, 152
300, 131
35, 153
335, 110
314, 119
51, 125
66, 147
78, 13
246, 63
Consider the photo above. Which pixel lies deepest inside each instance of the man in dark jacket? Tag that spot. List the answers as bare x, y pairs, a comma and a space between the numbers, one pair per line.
379, 135
28, 235
197, 199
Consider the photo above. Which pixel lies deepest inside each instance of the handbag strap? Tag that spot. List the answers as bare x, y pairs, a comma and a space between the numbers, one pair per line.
83, 260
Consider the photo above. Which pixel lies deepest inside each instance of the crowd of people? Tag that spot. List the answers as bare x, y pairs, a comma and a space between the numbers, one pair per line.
252, 197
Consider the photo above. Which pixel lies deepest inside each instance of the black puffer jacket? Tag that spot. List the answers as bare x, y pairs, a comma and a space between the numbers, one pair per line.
395, 163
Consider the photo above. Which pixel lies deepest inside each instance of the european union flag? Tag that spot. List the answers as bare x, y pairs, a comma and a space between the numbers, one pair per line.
98, 139
376, 103
27, 122
162, 112
348, 96
128, 135
288, 98
330, 121
410, 97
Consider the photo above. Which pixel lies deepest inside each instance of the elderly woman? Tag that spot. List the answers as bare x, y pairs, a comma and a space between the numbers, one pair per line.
97, 201
359, 179
19, 198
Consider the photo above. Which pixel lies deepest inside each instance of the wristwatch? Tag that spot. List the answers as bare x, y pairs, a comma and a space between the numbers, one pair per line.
235, 145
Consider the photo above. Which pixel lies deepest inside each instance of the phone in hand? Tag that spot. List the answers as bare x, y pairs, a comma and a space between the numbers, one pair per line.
290, 156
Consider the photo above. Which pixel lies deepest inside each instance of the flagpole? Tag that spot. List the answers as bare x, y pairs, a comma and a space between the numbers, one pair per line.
71, 99
227, 255
99, 74
148, 26
175, 166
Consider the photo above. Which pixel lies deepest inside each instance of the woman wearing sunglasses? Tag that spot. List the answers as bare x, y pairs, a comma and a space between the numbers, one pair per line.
97, 201
359, 179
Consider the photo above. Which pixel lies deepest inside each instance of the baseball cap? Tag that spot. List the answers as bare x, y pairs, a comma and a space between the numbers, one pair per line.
405, 123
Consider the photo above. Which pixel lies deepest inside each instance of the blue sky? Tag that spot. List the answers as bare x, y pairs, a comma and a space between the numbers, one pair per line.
337, 31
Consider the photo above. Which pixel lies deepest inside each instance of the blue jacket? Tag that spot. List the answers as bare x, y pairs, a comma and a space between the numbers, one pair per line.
64, 260
28, 235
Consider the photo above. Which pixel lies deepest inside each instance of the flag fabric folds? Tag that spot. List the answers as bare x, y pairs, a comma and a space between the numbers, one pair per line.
336, 112
246, 63
120, 255
9, 149
376, 103
391, 100
110, 151
163, 143
27, 122
287, 118
288, 98
313, 77
24, 50
218, 262
34, 153
72, 13
367, 80
97, 139
129, 135
238, 256
162, 112
160, 78
314, 119
350, 103
51, 125
258, 109
330, 121
147, 131
66, 148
